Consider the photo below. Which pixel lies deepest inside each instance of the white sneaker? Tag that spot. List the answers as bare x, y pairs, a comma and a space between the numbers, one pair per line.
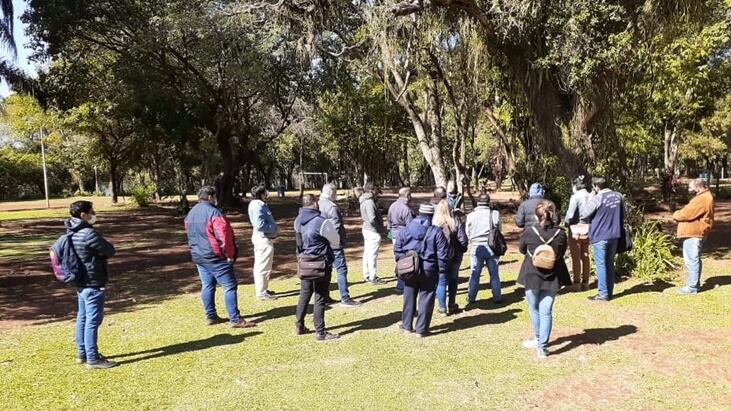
531, 344
542, 353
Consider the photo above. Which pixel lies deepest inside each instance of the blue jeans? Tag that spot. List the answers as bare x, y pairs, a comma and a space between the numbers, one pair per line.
480, 256
540, 308
692, 257
342, 269
219, 273
604, 252
88, 320
448, 285
422, 287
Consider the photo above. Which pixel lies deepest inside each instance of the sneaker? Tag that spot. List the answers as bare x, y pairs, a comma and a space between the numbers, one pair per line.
420, 335
80, 360
530, 344
100, 363
266, 296
376, 281
406, 331
687, 291
598, 298
399, 291
349, 303
215, 320
326, 336
497, 302
243, 324
442, 312
300, 330
453, 309
271, 293
329, 300
542, 353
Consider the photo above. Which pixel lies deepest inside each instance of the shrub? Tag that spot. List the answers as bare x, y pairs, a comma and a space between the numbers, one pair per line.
143, 194
651, 258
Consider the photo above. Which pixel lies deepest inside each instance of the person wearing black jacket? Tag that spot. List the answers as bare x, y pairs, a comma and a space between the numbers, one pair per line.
92, 250
542, 285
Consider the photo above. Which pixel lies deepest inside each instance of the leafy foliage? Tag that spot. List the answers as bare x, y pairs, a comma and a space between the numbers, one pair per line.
651, 258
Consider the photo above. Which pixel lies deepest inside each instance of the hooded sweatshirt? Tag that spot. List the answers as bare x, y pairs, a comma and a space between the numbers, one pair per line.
315, 235
330, 210
92, 249
372, 220
526, 215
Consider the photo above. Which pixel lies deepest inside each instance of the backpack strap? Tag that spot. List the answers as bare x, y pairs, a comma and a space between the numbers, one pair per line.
551, 239
423, 241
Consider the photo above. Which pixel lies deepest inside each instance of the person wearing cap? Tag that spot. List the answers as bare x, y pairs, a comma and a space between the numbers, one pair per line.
399, 215
264, 231
579, 238
479, 223
526, 216
214, 252
431, 245
605, 213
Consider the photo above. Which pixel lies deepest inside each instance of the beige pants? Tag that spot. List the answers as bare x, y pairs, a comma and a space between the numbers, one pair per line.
371, 244
580, 259
263, 258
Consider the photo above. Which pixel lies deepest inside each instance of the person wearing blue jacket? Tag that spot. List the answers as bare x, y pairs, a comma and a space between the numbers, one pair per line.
457, 242
264, 232
431, 245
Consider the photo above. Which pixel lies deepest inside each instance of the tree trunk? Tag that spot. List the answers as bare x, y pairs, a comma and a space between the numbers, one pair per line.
114, 178
670, 148
227, 177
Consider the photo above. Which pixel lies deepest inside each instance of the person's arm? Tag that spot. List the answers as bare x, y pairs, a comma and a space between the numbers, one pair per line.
328, 230
442, 246
225, 235
691, 212
556, 215
398, 245
468, 226
496, 220
561, 244
462, 234
520, 216
97, 243
523, 243
389, 217
370, 214
571, 212
590, 207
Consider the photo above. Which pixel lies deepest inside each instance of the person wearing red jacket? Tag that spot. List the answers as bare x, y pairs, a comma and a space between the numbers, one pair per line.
214, 252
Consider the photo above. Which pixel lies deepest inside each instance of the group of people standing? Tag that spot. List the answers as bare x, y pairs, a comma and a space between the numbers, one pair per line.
439, 234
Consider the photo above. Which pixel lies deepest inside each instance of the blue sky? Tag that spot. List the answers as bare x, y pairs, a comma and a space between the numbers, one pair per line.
20, 40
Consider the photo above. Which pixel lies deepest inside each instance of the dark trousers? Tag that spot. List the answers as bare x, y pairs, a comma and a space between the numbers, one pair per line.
424, 287
320, 289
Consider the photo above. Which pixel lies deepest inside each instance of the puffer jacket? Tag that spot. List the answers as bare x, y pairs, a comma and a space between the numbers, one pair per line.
526, 218
210, 235
433, 255
93, 250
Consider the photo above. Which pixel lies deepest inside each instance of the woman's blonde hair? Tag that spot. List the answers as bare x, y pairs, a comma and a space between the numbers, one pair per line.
443, 215
545, 210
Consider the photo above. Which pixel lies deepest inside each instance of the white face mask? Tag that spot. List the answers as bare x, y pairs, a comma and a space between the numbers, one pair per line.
92, 220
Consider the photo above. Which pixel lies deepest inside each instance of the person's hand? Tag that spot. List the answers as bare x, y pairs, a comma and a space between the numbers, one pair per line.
230, 260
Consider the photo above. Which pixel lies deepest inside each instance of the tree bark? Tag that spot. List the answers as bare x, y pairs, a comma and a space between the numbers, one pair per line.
670, 148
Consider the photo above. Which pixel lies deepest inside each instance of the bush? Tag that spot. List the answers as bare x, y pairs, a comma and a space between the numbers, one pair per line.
651, 258
143, 194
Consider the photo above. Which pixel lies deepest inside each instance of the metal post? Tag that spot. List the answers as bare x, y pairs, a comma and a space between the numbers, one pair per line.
96, 180
45, 172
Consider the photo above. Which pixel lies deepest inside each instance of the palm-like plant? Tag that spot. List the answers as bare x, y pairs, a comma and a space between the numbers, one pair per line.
8, 71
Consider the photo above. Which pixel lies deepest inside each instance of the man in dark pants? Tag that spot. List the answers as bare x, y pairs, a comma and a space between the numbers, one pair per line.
431, 244
214, 252
92, 251
314, 235
399, 215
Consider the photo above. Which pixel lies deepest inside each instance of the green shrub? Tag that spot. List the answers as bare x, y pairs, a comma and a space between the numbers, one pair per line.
651, 258
143, 194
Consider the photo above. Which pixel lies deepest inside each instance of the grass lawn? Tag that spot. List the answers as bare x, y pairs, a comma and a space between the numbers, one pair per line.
648, 350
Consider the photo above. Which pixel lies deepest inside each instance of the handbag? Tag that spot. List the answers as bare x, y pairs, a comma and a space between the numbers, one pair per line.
496, 240
579, 231
408, 266
311, 267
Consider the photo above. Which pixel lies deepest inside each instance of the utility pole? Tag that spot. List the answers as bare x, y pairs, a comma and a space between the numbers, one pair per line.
45, 172
96, 181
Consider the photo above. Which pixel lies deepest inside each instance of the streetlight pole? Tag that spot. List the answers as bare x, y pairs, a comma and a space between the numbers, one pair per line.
45, 172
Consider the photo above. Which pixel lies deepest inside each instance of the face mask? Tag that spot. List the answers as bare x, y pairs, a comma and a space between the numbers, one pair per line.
574, 190
92, 220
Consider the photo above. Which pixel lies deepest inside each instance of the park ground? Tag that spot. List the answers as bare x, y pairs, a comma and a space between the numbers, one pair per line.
647, 349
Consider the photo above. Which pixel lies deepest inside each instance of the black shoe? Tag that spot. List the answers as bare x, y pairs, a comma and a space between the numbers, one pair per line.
300, 330
216, 320
349, 303
329, 300
598, 298
101, 363
326, 336
399, 292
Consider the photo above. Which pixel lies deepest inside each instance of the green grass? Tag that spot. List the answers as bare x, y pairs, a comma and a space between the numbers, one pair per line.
35, 214
678, 357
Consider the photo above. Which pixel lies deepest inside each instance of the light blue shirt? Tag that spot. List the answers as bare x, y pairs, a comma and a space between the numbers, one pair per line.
262, 219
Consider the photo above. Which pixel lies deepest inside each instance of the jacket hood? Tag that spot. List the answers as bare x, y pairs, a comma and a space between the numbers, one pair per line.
417, 228
75, 224
365, 197
306, 215
536, 190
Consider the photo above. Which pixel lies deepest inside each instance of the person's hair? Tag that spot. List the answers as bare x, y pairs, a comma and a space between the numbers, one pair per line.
258, 191
328, 190
358, 191
483, 198
700, 183
453, 184
404, 192
440, 192
308, 200
443, 215
78, 207
545, 211
579, 183
206, 192
600, 182
368, 188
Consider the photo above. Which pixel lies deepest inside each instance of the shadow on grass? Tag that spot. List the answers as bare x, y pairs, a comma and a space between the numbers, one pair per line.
596, 336
190, 346
373, 323
472, 321
717, 281
656, 287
